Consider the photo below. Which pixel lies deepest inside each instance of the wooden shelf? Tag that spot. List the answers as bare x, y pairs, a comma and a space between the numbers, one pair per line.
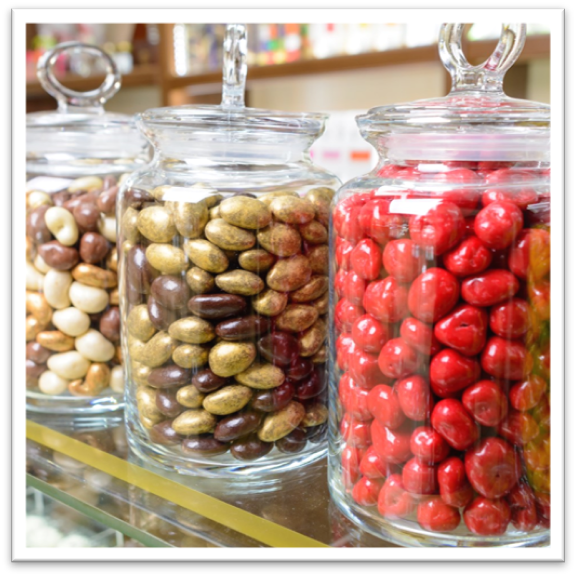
143, 75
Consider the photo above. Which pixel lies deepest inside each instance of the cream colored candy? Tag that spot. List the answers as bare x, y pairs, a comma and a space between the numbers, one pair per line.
70, 365
51, 383
41, 265
88, 298
86, 183
107, 227
71, 321
94, 346
36, 198
117, 379
62, 225
56, 287
34, 279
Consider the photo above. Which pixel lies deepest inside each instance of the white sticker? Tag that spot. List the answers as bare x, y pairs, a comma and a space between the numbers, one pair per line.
48, 184
416, 206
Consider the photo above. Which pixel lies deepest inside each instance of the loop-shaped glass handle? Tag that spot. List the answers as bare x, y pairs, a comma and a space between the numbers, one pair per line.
486, 77
67, 97
234, 67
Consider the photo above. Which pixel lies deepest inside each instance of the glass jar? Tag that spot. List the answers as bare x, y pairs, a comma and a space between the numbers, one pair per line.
439, 392
224, 286
75, 159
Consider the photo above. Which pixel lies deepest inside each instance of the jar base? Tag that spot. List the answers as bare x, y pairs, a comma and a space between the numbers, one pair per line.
409, 533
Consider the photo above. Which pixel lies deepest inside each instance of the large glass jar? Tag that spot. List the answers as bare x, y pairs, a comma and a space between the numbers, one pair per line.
224, 286
440, 307
75, 159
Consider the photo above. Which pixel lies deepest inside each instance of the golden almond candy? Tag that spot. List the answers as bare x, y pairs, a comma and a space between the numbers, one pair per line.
136, 348
94, 276
269, 197
192, 330
297, 318
289, 274
166, 258
114, 297
314, 233
321, 304
130, 230
190, 218
318, 256
240, 282
213, 199
199, 281
55, 340
194, 422
34, 327
229, 237
138, 323
146, 403
158, 349
261, 376
112, 260
37, 305
139, 373
190, 397
227, 400
270, 302
280, 239
118, 357
292, 210
245, 212
257, 260
206, 255
321, 356
190, 356
316, 414
156, 224
321, 199
214, 213
311, 340
317, 286
30, 250
150, 422
97, 379
281, 423
87, 183
230, 358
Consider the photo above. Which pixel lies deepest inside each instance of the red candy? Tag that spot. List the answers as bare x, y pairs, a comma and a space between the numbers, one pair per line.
454, 424
354, 399
365, 259
525, 395
414, 396
400, 260
352, 287
351, 457
420, 336
345, 347
451, 372
531, 254
469, 257
364, 369
365, 491
386, 300
464, 329
492, 467
489, 288
522, 504
346, 217
385, 406
397, 359
487, 517
428, 446
510, 319
455, 489
435, 515
377, 223
394, 501
486, 403
506, 359
498, 224
439, 229
369, 334
372, 466
355, 432
419, 478
433, 294
391, 445
343, 252
518, 428
345, 314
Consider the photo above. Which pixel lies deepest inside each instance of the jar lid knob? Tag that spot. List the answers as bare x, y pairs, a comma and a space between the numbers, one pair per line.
486, 77
234, 66
65, 96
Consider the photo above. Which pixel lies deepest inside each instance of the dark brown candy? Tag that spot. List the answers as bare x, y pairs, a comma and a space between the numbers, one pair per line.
292, 443
317, 434
204, 445
58, 256
311, 387
93, 247
34, 369
272, 400
167, 404
170, 291
139, 272
279, 348
106, 202
160, 316
37, 352
163, 433
168, 376
237, 425
135, 197
60, 198
242, 328
206, 381
109, 324
36, 228
87, 215
250, 448
217, 306
299, 369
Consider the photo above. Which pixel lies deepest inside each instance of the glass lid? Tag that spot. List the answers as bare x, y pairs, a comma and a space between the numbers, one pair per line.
476, 120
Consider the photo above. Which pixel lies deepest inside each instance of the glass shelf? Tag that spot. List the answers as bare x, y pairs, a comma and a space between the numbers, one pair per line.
86, 464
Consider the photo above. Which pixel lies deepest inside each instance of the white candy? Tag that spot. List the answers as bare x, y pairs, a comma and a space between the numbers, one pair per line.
94, 346
51, 383
107, 227
34, 279
88, 298
62, 225
86, 183
71, 365
117, 379
56, 286
41, 265
71, 321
